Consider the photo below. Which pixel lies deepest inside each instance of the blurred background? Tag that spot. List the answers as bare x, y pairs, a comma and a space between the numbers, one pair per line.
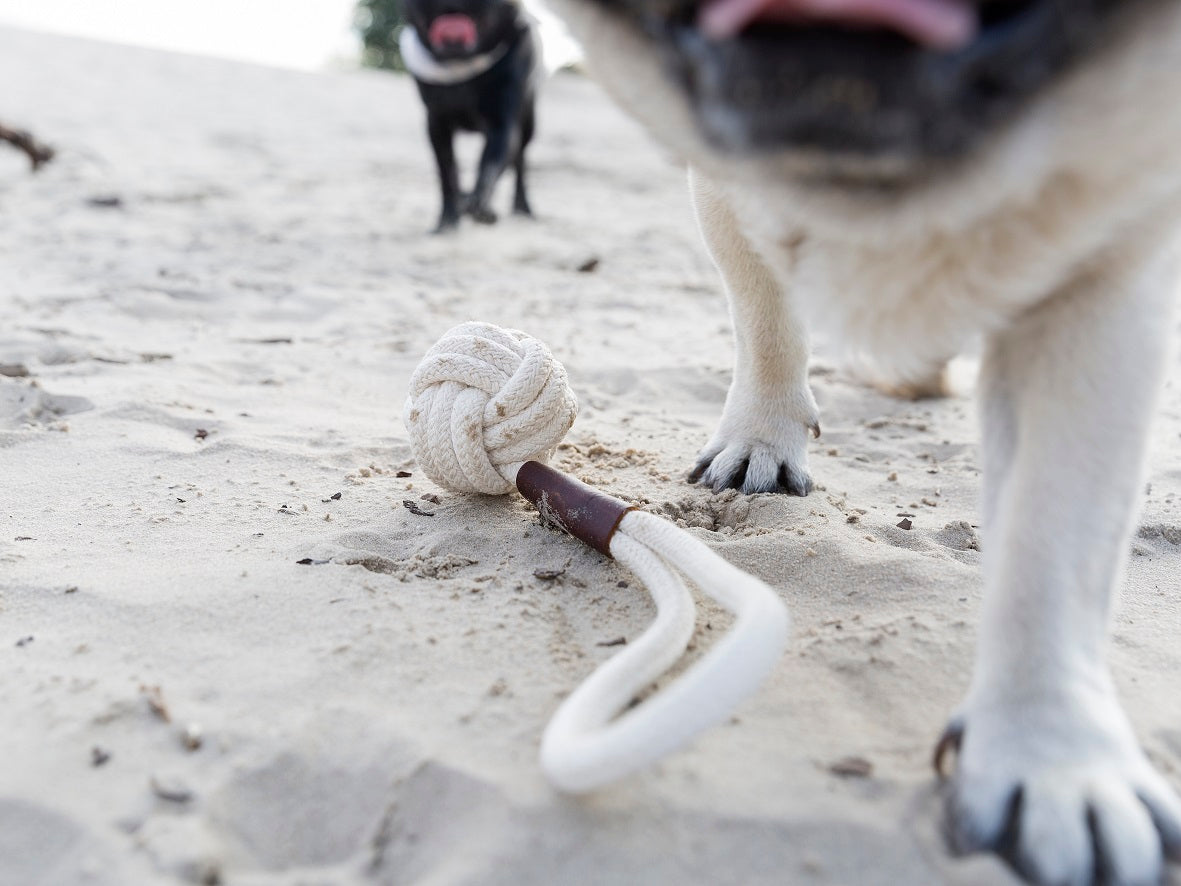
302, 34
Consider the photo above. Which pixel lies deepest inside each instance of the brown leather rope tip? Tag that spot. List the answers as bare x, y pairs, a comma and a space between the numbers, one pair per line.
587, 514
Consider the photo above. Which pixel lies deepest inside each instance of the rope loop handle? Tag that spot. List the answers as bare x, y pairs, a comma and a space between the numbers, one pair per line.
586, 745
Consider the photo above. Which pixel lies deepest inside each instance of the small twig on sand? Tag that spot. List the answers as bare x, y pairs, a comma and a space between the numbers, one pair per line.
37, 153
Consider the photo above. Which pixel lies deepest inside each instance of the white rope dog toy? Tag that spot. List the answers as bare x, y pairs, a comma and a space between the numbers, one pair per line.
486, 408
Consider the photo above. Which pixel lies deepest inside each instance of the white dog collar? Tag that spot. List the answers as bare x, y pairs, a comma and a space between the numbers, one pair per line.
425, 67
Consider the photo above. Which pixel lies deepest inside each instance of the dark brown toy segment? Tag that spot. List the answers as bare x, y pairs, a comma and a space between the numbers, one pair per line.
587, 514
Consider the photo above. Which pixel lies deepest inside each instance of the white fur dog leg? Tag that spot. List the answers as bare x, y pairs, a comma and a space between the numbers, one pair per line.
1049, 771
762, 442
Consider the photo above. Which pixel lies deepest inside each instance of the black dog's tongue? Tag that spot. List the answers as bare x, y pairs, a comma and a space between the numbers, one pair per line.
938, 24
451, 30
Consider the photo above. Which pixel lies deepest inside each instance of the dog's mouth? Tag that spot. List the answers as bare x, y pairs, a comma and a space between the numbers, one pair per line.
905, 80
453, 35
939, 24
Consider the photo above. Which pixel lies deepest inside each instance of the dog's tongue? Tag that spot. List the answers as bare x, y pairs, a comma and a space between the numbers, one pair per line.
449, 30
939, 24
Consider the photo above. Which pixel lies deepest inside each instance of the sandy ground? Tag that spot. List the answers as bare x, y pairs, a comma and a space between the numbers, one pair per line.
218, 293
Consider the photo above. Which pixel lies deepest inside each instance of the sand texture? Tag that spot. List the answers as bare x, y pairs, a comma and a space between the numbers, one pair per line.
230, 653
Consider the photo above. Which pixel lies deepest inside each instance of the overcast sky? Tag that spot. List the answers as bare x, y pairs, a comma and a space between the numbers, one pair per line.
289, 33
305, 34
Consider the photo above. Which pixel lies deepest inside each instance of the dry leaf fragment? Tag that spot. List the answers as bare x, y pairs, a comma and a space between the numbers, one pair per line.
156, 704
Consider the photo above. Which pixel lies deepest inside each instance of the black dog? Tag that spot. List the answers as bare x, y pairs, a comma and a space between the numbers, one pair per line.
476, 64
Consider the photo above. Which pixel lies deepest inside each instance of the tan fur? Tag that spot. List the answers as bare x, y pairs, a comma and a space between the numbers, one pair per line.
1056, 243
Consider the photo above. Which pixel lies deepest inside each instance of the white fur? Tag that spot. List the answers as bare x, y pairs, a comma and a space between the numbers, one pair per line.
1057, 245
769, 409
424, 66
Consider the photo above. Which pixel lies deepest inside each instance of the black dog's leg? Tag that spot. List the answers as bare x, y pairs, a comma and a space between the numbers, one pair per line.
520, 199
492, 164
442, 136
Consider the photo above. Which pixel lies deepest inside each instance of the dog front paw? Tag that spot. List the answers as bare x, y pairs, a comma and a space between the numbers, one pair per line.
483, 215
1062, 791
756, 451
448, 223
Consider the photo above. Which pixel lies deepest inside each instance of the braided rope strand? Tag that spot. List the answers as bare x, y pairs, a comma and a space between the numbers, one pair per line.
483, 400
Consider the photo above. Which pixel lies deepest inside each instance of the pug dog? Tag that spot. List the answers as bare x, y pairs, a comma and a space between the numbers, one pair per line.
476, 63
909, 175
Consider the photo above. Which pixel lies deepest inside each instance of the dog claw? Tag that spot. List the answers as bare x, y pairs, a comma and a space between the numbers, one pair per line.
793, 482
789, 480
735, 481
949, 742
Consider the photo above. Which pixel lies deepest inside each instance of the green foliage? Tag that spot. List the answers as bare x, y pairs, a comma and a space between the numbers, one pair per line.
379, 22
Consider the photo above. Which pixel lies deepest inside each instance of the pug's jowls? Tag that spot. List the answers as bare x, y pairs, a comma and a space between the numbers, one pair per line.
909, 174
476, 65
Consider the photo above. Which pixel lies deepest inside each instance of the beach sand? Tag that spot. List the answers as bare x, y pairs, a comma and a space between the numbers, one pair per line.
211, 304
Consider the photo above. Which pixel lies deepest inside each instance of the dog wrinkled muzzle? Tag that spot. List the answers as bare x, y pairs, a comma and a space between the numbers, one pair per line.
870, 78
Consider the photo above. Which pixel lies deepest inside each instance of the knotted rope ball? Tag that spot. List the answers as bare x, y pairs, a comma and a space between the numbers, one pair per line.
483, 401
